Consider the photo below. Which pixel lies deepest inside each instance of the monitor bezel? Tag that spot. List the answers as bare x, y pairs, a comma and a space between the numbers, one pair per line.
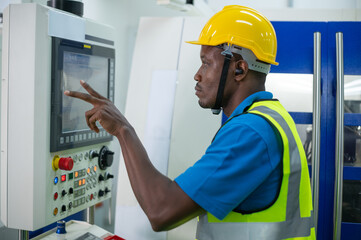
73, 139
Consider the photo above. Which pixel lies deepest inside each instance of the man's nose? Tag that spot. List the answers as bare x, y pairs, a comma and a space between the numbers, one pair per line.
197, 77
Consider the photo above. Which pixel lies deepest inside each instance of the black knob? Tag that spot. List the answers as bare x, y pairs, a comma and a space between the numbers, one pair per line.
109, 176
63, 193
105, 158
93, 154
101, 178
101, 193
70, 205
63, 208
106, 190
71, 190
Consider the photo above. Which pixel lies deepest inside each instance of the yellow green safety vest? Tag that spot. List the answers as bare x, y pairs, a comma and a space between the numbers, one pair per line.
291, 215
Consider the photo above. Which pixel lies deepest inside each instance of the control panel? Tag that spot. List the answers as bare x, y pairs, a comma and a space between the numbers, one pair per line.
52, 165
78, 180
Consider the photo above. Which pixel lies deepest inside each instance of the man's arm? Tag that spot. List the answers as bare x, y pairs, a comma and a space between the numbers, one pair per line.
163, 201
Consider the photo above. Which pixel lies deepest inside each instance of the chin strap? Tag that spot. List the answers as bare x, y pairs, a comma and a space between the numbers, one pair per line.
216, 109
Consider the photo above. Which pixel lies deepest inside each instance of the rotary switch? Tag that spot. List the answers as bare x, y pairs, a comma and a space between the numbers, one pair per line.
101, 193
105, 158
63, 193
108, 176
101, 178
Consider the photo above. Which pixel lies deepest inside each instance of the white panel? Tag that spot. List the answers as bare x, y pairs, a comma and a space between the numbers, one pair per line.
193, 127
218, 5
156, 48
3, 141
159, 119
66, 26
325, 4
1, 224
21, 147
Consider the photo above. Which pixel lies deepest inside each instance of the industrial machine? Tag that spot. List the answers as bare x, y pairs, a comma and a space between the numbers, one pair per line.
52, 165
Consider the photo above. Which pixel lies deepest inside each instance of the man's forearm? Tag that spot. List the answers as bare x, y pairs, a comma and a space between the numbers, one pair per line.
165, 204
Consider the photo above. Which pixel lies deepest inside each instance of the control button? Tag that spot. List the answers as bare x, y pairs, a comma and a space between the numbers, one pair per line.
105, 158
109, 176
95, 168
63, 208
86, 155
81, 157
62, 163
63, 178
88, 171
61, 140
106, 191
55, 196
56, 180
101, 178
55, 212
76, 174
101, 193
63, 193
70, 205
71, 190
83, 181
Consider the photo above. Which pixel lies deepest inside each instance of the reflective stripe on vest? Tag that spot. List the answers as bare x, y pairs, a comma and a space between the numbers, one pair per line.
290, 217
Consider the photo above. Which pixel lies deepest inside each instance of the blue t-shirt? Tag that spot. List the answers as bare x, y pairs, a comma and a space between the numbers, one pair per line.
241, 169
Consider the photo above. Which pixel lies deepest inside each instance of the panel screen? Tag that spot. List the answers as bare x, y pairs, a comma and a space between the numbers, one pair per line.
76, 67
71, 62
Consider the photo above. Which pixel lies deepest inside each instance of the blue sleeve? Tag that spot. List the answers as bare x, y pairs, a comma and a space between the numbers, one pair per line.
234, 165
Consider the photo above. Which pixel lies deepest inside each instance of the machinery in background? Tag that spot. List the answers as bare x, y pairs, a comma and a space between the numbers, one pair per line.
52, 165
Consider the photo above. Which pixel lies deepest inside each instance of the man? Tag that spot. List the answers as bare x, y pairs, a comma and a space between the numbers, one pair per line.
252, 182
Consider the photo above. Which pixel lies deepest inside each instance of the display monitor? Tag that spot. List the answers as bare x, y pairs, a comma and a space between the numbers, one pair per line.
72, 62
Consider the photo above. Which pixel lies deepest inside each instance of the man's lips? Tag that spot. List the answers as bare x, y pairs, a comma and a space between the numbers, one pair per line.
197, 88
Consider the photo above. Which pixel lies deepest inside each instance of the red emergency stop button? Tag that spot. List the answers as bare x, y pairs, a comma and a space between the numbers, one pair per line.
63, 163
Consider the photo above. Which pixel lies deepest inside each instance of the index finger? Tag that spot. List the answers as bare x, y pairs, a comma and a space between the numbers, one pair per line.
90, 90
83, 96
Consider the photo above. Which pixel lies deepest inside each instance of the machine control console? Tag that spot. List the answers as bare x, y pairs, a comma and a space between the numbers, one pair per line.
79, 180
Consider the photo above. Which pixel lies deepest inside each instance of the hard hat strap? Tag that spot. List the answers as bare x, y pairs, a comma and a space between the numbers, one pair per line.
253, 63
222, 83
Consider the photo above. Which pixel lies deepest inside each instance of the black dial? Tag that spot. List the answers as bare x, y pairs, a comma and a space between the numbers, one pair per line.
101, 193
105, 158
109, 176
101, 178
63, 193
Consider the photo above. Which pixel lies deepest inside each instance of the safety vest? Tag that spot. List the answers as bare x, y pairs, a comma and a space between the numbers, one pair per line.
291, 215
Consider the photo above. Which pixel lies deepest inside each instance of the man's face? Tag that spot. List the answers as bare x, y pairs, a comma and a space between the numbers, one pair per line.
208, 76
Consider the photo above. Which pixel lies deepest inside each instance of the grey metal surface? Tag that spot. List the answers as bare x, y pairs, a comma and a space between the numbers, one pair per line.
90, 214
337, 211
23, 235
316, 123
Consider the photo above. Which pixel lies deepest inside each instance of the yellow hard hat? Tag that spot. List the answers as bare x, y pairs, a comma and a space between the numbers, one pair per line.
244, 27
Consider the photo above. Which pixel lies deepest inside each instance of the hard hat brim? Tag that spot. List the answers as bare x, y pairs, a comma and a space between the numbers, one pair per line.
201, 43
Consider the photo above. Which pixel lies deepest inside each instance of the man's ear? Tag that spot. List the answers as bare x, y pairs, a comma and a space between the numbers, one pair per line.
241, 70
